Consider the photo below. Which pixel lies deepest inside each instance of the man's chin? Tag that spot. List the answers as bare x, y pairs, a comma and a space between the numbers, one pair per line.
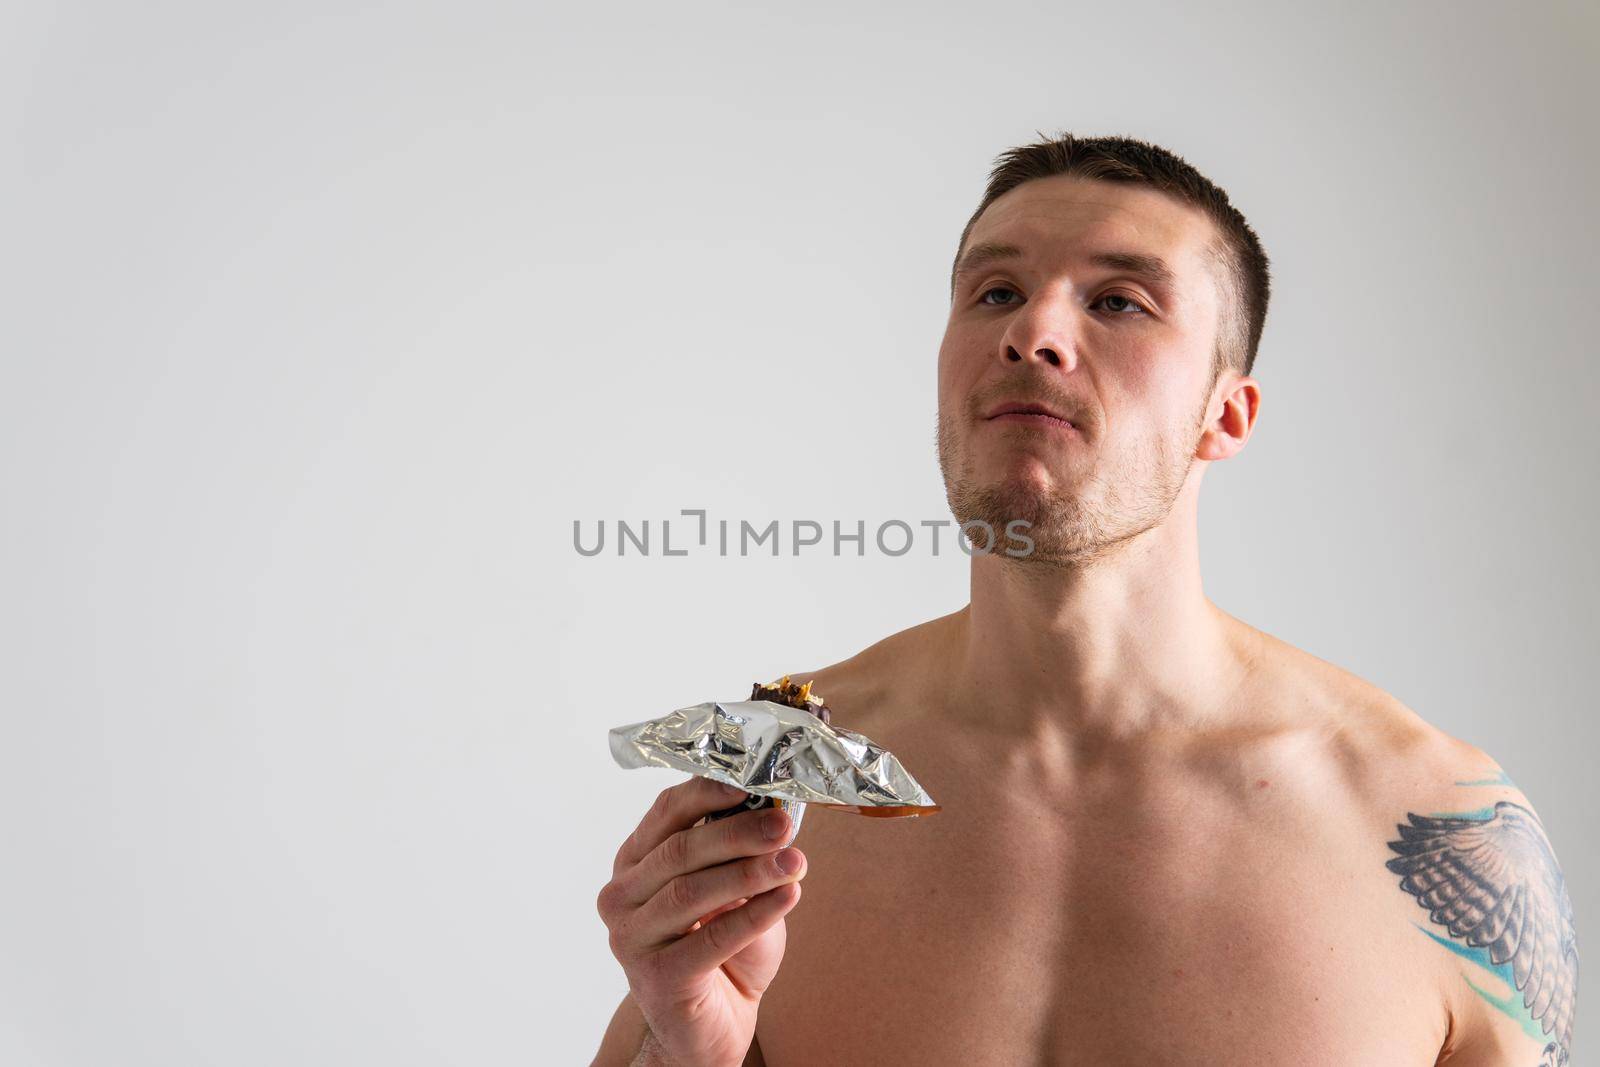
1032, 491
1063, 524
1009, 501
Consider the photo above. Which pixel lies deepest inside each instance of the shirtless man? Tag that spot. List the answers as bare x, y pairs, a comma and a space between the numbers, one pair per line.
1167, 837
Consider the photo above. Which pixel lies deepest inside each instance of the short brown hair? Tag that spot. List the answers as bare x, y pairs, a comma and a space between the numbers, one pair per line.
1124, 159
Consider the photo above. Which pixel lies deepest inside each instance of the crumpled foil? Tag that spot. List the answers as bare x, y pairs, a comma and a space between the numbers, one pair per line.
783, 756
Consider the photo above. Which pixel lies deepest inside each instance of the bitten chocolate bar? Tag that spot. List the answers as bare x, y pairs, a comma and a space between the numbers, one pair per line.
780, 747
789, 695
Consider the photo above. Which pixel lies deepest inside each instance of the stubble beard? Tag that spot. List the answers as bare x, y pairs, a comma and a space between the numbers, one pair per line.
1075, 525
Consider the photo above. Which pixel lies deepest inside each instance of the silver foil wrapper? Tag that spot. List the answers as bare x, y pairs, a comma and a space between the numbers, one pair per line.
782, 756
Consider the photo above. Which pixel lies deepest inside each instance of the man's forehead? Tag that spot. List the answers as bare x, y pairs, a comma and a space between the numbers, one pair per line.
1056, 218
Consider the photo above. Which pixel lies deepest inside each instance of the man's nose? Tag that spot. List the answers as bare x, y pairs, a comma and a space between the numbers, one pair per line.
1055, 356
1043, 332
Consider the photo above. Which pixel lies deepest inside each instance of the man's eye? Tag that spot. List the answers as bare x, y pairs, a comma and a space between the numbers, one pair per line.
1127, 303
1134, 304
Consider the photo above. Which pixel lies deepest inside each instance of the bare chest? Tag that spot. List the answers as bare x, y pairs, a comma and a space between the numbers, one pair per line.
1180, 928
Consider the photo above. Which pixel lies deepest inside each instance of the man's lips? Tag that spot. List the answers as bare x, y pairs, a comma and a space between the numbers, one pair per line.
1032, 414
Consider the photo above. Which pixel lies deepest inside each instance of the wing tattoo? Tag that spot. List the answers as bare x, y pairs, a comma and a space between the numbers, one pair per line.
1494, 883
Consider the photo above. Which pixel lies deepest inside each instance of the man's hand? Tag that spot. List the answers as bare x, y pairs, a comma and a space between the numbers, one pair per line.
696, 919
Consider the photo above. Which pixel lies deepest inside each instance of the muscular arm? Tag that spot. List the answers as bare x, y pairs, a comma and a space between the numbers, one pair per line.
1491, 893
623, 1038
627, 1042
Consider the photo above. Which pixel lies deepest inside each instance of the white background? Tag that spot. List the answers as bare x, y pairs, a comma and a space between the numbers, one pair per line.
323, 325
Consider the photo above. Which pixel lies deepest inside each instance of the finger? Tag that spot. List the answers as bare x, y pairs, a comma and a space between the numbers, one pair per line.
672, 911
677, 808
729, 934
714, 913
749, 833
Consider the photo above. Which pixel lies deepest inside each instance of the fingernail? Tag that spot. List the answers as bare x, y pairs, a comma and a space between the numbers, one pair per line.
788, 861
774, 825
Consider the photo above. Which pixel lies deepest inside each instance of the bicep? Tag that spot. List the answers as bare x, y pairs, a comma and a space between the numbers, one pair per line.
1477, 859
1485, 1035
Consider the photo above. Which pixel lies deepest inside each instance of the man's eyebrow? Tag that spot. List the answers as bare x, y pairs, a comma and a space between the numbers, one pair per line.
1150, 267
981, 255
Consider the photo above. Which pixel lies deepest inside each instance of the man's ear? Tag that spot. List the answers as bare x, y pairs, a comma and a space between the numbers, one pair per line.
1236, 405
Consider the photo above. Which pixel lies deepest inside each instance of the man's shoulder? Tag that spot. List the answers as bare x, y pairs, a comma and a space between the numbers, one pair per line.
1383, 746
1467, 856
1388, 753
1464, 848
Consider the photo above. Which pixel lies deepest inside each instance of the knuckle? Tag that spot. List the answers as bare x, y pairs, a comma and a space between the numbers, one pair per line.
680, 894
759, 873
630, 848
716, 935
675, 851
602, 900
616, 942
663, 801
735, 832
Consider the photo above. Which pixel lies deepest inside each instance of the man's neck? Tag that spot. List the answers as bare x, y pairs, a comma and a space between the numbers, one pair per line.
1124, 645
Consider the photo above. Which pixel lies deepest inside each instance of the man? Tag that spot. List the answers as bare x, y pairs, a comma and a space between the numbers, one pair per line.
1166, 836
